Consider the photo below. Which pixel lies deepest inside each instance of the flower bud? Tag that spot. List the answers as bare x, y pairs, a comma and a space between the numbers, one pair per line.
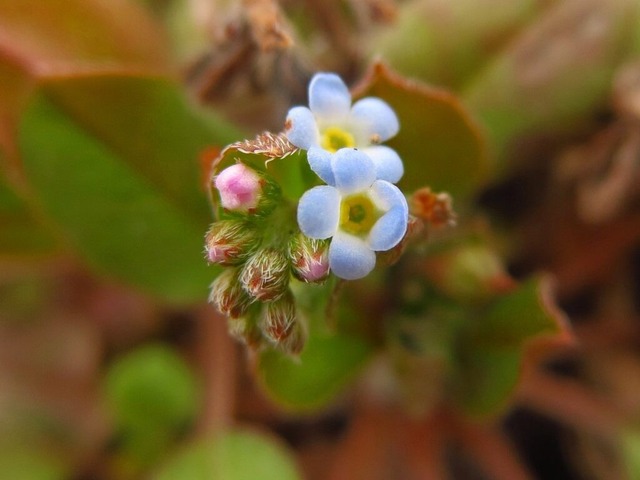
470, 273
265, 276
294, 343
228, 295
278, 318
229, 242
246, 330
309, 258
434, 208
244, 190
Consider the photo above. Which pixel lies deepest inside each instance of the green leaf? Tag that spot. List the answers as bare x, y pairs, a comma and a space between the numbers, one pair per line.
330, 359
152, 395
114, 162
438, 141
70, 34
41, 39
327, 364
22, 235
31, 464
235, 455
491, 349
630, 443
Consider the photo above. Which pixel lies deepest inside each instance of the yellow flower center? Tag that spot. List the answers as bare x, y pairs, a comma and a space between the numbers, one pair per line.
334, 138
357, 214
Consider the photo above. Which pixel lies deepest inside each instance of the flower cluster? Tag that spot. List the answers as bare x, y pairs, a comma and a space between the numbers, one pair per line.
253, 290
264, 236
359, 208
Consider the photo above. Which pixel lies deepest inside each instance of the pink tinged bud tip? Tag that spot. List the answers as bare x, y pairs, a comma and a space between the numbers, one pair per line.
239, 188
310, 259
229, 242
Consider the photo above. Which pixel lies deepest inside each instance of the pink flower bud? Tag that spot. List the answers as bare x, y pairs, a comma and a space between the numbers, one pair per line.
265, 276
239, 188
310, 258
229, 242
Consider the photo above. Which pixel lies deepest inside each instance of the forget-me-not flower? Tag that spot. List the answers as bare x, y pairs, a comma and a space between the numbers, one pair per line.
362, 214
331, 123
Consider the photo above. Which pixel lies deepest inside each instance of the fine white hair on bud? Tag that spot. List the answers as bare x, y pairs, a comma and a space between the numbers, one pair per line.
246, 330
309, 258
265, 276
230, 242
278, 318
228, 295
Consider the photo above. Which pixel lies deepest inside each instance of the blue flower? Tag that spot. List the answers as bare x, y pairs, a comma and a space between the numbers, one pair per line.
362, 214
331, 123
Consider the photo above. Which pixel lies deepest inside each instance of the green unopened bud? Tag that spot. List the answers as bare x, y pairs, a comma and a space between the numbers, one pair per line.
246, 330
265, 276
309, 258
229, 242
278, 318
228, 295
470, 273
294, 343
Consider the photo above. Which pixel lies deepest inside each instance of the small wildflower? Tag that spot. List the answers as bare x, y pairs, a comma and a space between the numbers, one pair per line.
331, 123
228, 295
362, 214
229, 242
265, 276
309, 258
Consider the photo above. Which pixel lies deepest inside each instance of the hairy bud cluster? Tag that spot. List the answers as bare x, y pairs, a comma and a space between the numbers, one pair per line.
253, 242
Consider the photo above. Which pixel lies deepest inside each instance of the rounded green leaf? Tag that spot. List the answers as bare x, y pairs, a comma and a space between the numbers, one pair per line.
151, 390
114, 164
235, 455
439, 143
492, 345
324, 368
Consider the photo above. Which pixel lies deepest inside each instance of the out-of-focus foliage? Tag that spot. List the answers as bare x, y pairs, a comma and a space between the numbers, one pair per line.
523, 111
146, 427
107, 141
233, 455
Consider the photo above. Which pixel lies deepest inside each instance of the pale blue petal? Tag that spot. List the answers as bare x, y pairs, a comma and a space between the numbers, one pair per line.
319, 212
301, 128
329, 97
320, 162
375, 119
387, 196
389, 229
349, 257
387, 162
353, 170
